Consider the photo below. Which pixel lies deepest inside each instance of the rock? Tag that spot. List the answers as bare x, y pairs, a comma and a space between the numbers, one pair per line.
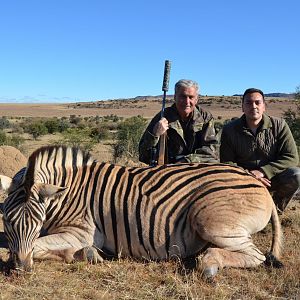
11, 160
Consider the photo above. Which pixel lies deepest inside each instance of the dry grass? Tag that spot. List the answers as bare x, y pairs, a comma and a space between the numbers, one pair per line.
130, 279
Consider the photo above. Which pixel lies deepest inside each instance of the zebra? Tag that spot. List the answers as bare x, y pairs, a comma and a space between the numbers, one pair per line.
93, 210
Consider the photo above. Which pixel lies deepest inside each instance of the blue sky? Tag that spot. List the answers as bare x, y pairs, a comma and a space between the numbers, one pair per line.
71, 50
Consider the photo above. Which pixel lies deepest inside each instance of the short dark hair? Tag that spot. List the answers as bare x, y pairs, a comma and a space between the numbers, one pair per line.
251, 91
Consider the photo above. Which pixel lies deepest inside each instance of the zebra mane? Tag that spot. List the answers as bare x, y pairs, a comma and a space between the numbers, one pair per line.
55, 156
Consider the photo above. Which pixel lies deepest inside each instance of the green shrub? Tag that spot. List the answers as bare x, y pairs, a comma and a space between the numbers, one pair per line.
128, 136
75, 120
36, 128
4, 123
3, 138
292, 118
15, 140
100, 133
63, 125
112, 117
17, 128
78, 138
297, 94
52, 125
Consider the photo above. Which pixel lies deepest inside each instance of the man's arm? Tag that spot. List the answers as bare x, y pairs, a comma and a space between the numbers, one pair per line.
148, 141
227, 154
287, 153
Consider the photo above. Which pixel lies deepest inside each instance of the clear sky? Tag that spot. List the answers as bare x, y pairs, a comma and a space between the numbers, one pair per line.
71, 50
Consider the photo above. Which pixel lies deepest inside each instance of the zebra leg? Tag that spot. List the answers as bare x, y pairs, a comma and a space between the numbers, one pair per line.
89, 254
59, 246
215, 259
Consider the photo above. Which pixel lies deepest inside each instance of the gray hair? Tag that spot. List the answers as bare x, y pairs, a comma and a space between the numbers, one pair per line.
187, 84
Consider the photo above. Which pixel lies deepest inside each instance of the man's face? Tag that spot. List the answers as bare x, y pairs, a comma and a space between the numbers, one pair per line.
186, 100
254, 106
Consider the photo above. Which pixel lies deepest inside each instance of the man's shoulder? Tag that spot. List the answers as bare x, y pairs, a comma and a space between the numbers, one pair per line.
277, 120
277, 124
234, 123
202, 113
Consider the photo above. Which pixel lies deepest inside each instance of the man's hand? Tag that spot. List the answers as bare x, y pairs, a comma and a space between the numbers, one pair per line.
261, 177
161, 127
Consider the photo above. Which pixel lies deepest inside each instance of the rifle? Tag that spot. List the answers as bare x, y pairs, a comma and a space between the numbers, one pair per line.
163, 137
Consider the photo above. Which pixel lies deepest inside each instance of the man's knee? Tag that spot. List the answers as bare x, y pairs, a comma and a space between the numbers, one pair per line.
289, 177
285, 185
296, 175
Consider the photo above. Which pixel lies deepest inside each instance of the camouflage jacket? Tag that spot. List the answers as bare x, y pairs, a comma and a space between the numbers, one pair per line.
272, 149
193, 141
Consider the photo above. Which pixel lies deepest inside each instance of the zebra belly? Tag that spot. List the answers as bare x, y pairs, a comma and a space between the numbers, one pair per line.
157, 246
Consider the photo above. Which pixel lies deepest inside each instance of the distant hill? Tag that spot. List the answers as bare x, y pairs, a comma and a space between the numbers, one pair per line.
279, 95
135, 99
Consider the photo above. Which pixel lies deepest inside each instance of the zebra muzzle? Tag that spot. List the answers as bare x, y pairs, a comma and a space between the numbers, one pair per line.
20, 264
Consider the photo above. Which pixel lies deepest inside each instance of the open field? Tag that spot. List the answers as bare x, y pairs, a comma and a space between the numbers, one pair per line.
225, 107
130, 279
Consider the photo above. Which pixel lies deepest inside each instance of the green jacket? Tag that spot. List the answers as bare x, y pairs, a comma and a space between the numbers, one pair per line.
194, 144
272, 149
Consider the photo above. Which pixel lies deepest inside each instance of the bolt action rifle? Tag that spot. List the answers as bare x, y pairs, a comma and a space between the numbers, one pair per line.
163, 137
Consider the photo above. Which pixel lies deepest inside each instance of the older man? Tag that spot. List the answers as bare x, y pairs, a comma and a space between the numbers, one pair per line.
190, 129
263, 145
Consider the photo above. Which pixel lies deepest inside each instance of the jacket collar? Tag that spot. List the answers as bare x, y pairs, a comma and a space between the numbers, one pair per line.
266, 122
174, 121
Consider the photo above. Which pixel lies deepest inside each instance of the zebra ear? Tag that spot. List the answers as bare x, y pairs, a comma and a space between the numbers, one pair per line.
50, 190
6, 183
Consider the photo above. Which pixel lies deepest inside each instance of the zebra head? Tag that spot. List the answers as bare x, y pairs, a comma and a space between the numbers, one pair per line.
24, 212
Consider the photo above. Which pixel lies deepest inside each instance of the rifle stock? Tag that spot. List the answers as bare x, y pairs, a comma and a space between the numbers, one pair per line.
162, 149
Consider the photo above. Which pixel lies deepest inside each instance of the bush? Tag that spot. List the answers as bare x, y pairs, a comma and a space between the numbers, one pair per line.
78, 138
297, 94
15, 141
128, 136
52, 125
100, 133
63, 125
4, 123
3, 138
36, 129
293, 120
75, 120
112, 117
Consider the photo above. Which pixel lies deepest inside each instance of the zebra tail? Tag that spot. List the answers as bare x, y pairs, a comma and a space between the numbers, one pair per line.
272, 258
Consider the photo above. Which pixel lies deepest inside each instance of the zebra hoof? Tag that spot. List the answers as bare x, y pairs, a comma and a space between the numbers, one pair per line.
210, 272
272, 261
89, 254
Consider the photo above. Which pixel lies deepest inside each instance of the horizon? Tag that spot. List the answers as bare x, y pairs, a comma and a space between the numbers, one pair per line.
64, 101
